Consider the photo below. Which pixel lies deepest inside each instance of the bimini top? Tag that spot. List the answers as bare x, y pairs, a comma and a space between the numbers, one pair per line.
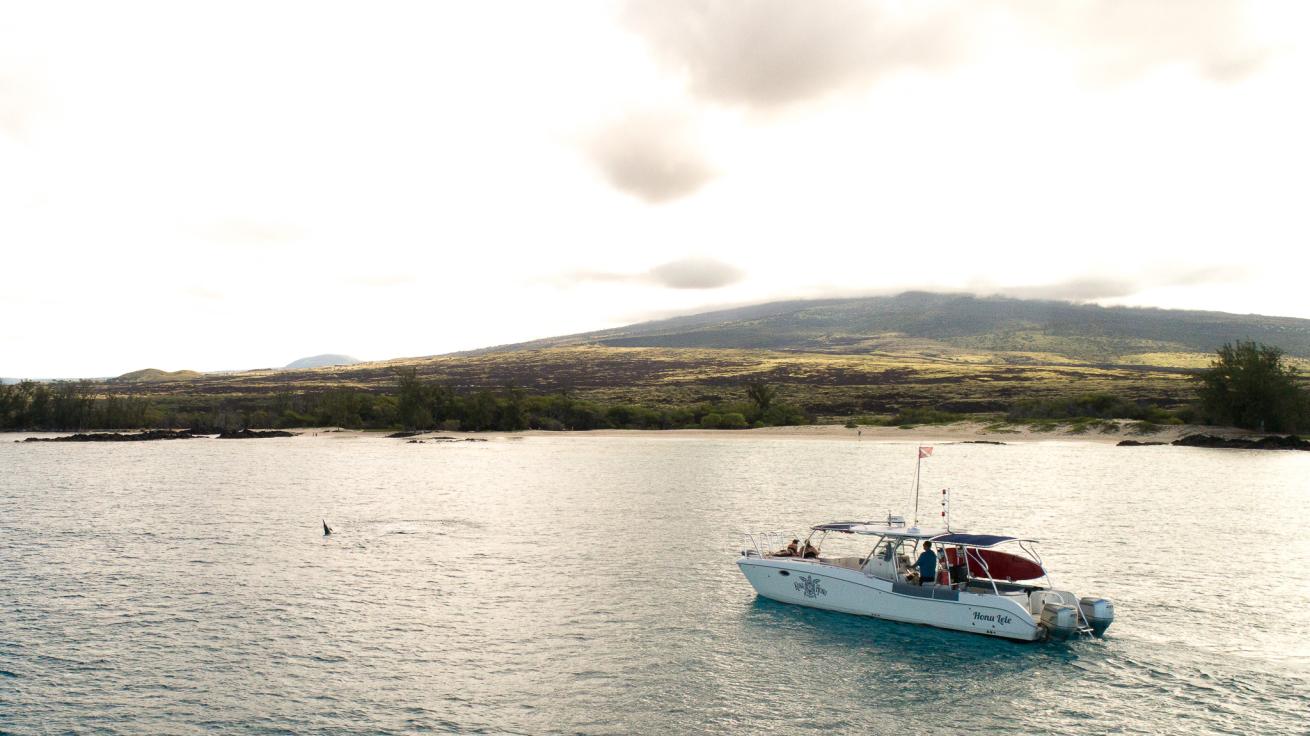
894, 529
845, 527
976, 540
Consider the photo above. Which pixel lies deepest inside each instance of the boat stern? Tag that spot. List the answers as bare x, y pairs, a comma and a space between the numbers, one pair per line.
1063, 615
1098, 613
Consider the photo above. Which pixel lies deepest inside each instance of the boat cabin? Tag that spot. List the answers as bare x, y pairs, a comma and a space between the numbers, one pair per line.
889, 550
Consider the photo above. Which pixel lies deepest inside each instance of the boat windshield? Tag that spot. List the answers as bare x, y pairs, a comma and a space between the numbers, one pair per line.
835, 546
890, 547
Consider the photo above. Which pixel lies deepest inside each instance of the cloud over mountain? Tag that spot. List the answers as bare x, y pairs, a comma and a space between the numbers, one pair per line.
1093, 287
650, 154
695, 273
776, 52
684, 273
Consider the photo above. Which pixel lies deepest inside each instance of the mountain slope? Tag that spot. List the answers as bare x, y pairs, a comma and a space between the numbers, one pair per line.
951, 323
321, 361
834, 358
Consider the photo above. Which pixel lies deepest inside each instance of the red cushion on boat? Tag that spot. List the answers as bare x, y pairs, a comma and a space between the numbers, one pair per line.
1000, 565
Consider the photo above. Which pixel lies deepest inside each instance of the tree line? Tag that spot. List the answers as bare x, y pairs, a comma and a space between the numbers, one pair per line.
413, 404
1247, 385
430, 405
69, 405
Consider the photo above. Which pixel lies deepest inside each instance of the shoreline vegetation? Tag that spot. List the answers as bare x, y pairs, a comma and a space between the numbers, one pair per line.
1247, 386
418, 405
967, 432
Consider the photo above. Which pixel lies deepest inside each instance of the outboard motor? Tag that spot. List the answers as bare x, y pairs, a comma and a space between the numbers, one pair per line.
1099, 613
1059, 620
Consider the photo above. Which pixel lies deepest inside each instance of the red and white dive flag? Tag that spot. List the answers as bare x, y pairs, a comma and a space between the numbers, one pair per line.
925, 452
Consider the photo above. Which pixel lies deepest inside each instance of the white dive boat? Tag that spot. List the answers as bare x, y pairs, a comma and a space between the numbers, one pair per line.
980, 589
979, 585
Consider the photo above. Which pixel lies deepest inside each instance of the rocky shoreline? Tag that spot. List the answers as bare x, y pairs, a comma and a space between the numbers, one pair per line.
1272, 442
253, 434
151, 435
146, 436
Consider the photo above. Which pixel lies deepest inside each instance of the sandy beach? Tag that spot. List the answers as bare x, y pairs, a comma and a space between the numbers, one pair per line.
942, 433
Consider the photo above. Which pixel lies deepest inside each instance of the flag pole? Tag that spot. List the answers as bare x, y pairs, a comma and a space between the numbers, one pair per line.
917, 463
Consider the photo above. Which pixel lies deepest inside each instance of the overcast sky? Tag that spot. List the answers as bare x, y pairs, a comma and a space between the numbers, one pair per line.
234, 185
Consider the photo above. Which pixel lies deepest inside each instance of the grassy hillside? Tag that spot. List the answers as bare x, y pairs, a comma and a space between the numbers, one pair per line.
154, 375
825, 384
834, 359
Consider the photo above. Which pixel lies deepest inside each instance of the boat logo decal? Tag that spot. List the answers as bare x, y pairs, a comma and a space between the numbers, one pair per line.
999, 618
810, 586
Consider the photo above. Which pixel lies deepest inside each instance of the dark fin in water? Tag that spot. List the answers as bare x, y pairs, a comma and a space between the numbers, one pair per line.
326, 529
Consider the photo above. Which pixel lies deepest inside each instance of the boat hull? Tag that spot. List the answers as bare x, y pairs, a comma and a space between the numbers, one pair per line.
831, 588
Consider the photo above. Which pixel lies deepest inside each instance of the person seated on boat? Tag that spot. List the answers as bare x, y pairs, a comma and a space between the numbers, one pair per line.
927, 564
792, 550
810, 551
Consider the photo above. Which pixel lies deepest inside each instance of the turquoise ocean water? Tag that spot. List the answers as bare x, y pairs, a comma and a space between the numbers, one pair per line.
586, 584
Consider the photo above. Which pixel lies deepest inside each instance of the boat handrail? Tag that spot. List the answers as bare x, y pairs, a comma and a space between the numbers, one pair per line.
762, 541
750, 542
986, 570
1087, 625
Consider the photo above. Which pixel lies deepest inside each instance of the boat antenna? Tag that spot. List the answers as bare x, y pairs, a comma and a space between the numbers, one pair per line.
923, 452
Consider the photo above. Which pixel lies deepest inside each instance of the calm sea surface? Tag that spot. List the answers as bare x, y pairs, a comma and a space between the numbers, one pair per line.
587, 584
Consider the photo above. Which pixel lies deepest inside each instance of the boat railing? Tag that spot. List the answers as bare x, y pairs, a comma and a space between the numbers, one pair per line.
762, 543
750, 545
1065, 597
987, 573
1032, 552
753, 542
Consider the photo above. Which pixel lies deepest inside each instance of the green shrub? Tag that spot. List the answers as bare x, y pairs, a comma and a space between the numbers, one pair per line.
1249, 385
729, 420
923, 415
1088, 407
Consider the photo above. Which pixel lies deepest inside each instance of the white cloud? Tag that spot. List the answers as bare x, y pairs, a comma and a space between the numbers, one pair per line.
20, 102
248, 233
695, 273
685, 273
770, 53
1121, 39
1093, 287
382, 280
775, 53
651, 154
201, 292
294, 187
